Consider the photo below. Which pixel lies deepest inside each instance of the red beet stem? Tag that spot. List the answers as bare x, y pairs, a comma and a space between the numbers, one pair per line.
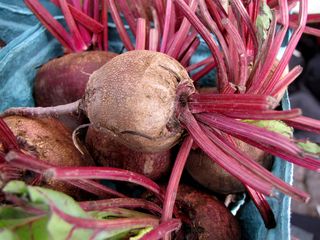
303, 12
263, 207
23, 161
200, 64
230, 149
53, 26
247, 131
100, 205
305, 123
162, 230
181, 35
203, 31
128, 15
241, 77
239, 7
160, 8
173, 184
217, 12
261, 58
261, 79
263, 115
187, 43
121, 29
191, 50
267, 141
141, 34
76, 11
86, 21
104, 21
78, 41
66, 173
7, 138
153, 39
225, 161
55, 111
216, 31
283, 83
307, 30
106, 225
311, 18
167, 26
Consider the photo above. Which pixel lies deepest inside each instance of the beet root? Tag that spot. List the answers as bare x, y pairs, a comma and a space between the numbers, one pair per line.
204, 217
63, 80
210, 175
133, 97
106, 151
49, 141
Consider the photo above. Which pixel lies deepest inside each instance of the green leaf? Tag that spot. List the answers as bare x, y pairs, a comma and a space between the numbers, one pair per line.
263, 22
35, 219
273, 125
310, 147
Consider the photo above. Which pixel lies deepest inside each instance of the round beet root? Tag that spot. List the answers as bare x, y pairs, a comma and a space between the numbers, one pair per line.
63, 80
133, 97
50, 141
204, 217
215, 178
106, 151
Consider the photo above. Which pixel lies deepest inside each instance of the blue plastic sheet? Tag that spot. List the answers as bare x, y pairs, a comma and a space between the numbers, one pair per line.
30, 46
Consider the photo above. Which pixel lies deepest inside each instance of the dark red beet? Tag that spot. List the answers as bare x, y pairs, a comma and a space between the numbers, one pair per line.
63, 80
106, 151
215, 178
204, 217
50, 141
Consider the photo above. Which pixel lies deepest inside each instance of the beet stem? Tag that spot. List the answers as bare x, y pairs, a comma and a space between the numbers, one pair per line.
84, 21
263, 115
104, 21
305, 123
8, 139
200, 64
283, 83
191, 50
121, 29
263, 207
53, 26
73, 173
194, 20
167, 25
173, 184
128, 15
229, 148
55, 111
153, 39
218, 156
181, 35
78, 42
123, 202
163, 229
106, 225
141, 34
23, 161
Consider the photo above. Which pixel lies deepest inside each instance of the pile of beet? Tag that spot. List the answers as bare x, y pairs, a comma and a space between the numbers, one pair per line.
137, 117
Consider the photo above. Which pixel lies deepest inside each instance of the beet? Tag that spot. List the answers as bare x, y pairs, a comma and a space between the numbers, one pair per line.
210, 175
107, 152
50, 141
63, 80
204, 217
133, 97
